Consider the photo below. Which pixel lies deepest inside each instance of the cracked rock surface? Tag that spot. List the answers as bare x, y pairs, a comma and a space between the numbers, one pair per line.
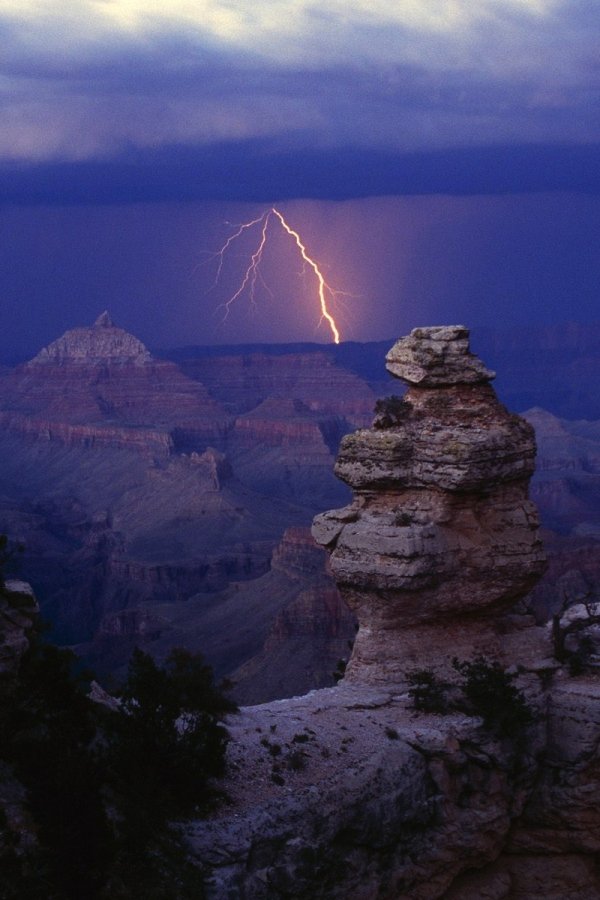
347, 793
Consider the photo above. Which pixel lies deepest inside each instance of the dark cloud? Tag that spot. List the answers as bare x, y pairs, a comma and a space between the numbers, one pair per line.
463, 138
412, 77
262, 172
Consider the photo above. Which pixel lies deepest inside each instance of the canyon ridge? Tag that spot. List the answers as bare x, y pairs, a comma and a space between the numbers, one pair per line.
167, 502
396, 783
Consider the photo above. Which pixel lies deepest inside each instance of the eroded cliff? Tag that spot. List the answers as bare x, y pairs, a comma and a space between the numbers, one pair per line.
441, 540
100, 386
350, 792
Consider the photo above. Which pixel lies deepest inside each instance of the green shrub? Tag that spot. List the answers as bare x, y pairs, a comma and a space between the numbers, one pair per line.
491, 694
296, 760
103, 785
48, 727
578, 660
340, 670
390, 411
486, 690
167, 743
427, 692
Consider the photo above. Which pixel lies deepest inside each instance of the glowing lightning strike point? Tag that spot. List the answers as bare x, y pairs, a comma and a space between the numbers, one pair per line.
253, 273
323, 286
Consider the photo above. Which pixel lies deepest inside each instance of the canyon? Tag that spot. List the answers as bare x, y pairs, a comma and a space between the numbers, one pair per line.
434, 556
159, 499
360, 791
152, 512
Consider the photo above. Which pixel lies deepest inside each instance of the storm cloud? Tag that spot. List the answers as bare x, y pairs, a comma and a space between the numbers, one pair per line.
92, 79
440, 157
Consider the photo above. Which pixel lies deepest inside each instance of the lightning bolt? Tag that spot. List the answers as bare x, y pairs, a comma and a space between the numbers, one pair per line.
323, 286
253, 274
240, 230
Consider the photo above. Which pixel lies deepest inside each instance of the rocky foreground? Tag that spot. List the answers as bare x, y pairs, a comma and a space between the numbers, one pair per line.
351, 792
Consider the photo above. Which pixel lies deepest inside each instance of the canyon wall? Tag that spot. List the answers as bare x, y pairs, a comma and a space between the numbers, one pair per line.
357, 791
144, 494
99, 385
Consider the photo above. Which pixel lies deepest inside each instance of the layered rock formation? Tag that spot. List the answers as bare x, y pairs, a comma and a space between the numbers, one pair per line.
285, 449
99, 385
94, 426
312, 633
241, 383
441, 540
355, 794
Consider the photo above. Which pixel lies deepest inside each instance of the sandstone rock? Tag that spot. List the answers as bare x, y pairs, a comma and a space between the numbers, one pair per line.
343, 794
562, 815
100, 386
461, 441
241, 383
350, 795
437, 356
441, 535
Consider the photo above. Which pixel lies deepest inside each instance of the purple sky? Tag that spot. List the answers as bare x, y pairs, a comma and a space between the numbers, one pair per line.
439, 158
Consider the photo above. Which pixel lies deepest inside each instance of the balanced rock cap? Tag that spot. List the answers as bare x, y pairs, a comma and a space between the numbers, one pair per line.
437, 356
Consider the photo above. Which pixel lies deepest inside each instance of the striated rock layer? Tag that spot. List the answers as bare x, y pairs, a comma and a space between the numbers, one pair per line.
241, 383
99, 385
354, 792
441, 540
312, 632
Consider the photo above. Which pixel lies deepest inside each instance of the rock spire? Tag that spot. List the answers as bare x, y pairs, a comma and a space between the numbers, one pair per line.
104, 320
440, 542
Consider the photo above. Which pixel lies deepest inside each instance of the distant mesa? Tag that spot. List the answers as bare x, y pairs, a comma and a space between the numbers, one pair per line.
99, 344
99, 385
